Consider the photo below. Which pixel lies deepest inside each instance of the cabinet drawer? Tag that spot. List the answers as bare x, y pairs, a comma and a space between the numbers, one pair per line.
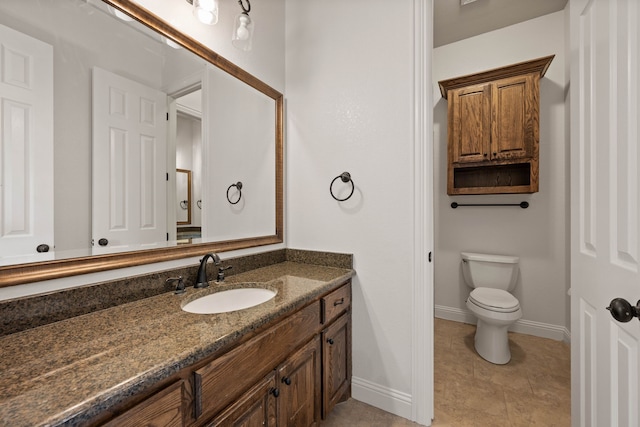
222, 381
335, 303
163, 409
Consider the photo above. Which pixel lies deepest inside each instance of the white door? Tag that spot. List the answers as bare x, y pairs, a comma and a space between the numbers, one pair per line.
26, 143
605, 248
129, 174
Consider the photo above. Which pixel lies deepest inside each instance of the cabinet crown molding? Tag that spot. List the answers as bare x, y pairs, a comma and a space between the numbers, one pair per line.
536, 66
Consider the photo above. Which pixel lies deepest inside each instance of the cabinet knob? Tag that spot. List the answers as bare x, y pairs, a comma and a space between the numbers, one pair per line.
286, 380
330, 341
275, 392
485, 154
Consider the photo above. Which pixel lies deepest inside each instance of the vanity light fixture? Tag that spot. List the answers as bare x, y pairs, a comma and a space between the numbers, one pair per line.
243, 28
205, 10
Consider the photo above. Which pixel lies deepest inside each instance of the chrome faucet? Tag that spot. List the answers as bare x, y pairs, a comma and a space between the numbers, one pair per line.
201, 280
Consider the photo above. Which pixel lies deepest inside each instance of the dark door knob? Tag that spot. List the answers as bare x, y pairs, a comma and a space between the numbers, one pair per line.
623, 311
103, 242
330, 341
275, 392
43, 248
286, 380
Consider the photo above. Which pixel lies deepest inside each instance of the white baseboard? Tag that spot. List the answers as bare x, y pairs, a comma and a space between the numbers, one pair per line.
523, 326
385, 398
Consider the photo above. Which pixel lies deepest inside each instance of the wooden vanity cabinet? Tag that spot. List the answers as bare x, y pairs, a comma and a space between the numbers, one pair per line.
493, 129
291, 374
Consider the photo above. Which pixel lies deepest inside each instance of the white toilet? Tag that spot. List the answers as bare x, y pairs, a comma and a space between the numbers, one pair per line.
491, 277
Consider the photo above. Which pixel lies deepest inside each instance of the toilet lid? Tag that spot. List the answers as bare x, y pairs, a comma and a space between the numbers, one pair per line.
494, 299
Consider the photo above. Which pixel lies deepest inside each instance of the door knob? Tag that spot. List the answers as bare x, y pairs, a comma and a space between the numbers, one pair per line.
103, 242
622, 310
42, 248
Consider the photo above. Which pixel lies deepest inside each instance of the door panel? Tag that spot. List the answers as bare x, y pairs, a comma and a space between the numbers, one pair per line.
605, 191
26, 143
129, 162
471, 111
513, 101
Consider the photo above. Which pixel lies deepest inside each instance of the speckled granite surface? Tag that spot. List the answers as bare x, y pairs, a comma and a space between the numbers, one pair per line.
66, 372
30, 312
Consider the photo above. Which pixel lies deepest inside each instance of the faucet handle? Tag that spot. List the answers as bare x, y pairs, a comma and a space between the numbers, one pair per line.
221, 271
179, 287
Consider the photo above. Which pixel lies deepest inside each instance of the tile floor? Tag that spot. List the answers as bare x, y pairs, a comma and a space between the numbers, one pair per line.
533, 389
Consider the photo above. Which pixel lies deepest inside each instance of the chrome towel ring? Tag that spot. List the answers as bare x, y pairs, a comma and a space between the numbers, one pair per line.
345, 177
238, 185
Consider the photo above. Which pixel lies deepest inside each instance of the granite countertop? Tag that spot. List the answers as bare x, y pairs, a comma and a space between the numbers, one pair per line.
67, 372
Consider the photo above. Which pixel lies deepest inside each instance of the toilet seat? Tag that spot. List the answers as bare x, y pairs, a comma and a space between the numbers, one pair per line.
495, 300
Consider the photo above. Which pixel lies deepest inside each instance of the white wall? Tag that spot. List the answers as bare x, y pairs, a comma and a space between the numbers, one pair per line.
539, 234
350, 102
240, 147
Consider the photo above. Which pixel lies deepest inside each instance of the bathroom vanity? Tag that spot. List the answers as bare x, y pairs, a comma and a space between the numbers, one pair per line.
286, 361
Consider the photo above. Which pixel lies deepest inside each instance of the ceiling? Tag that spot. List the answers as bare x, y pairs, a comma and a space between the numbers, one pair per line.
453, 22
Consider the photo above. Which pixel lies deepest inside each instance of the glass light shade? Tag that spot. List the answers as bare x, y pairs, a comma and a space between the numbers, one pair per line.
206, 11
242, 32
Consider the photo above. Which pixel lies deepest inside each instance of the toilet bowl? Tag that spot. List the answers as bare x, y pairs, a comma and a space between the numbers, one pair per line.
491, 277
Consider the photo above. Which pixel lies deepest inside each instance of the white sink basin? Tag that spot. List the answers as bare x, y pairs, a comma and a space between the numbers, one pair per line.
229, 300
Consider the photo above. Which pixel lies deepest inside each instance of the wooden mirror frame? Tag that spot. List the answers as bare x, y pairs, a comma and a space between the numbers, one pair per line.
18, 274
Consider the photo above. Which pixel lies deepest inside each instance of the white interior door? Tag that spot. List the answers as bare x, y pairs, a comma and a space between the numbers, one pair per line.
129, 163
26, 143
605, 249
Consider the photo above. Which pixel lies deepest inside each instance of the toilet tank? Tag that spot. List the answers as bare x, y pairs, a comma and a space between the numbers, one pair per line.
490, 271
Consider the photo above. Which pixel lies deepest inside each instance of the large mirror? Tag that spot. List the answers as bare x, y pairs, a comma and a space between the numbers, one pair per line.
97, 114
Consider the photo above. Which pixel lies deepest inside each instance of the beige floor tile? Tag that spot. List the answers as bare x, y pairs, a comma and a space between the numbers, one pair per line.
353, 413
533, 389
525, 410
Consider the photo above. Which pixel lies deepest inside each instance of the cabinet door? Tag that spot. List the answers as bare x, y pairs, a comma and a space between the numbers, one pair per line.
336, 367
299, 383
256, 408
515, 117
470, 124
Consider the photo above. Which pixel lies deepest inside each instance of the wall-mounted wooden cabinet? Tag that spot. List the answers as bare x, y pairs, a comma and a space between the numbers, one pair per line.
493, 129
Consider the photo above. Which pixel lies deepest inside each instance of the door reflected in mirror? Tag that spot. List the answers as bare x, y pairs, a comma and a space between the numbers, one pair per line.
183, 197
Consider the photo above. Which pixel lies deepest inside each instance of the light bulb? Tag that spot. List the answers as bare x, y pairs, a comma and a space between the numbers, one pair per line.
242, 33
206, 11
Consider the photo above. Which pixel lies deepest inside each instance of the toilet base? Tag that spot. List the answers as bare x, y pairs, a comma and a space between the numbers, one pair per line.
492, 342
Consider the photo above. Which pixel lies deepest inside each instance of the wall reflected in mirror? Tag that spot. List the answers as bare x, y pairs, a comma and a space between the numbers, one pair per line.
230, 131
